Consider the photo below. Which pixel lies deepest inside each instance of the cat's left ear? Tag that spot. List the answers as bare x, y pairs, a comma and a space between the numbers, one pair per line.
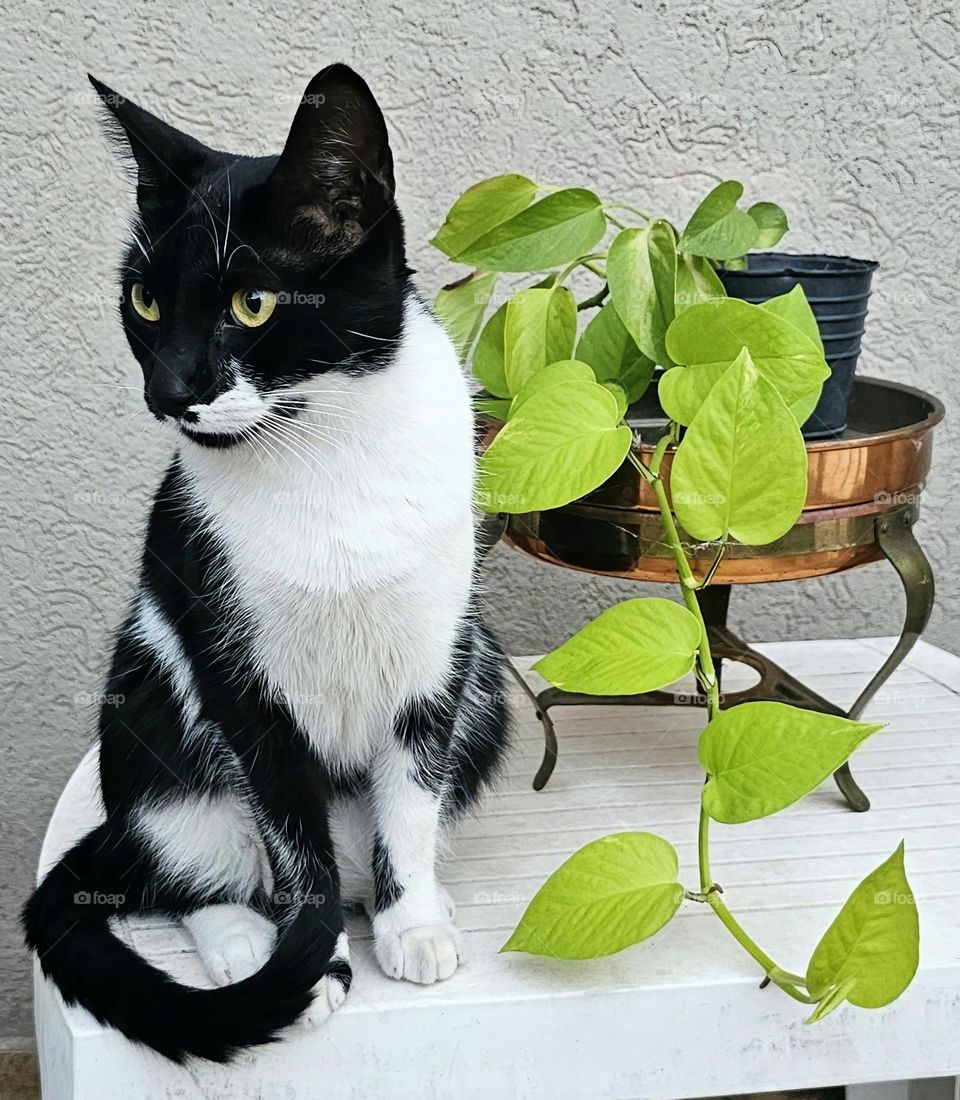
336, 168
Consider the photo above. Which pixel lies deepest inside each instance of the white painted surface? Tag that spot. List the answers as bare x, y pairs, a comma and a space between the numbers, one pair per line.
679, 1016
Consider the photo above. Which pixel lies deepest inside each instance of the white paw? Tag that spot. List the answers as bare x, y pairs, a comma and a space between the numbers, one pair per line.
232, 941
331, 991
424, 955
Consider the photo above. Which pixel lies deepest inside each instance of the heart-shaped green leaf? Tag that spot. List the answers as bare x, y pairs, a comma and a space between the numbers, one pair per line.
714, 332
794, 308
696, 282
460, 308
635, 646
718, 229
480, 208
540, 328
771, 221
612, 893
682, 390
488, 356
871, 951
561, 443
564, 370
613, 354
642, 275
553, 231
620, 394
761, 757
741, 469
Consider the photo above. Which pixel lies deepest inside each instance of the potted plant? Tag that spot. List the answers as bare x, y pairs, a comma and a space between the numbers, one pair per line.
838, 289
738, 380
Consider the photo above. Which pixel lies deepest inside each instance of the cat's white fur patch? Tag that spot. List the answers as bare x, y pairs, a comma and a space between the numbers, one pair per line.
236, 410
210, 841
353, 550
153, 630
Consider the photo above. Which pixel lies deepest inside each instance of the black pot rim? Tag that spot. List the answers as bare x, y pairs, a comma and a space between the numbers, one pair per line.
800, 264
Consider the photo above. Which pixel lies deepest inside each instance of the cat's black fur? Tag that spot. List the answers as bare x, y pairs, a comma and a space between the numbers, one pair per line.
318, 224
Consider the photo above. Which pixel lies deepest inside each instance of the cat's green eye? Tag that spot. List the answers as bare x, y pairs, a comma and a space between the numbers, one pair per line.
144, 302
252, 307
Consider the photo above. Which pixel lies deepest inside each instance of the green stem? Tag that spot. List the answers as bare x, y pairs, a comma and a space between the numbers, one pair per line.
596, 300
626, 206
582, 261
708, 677
614, 221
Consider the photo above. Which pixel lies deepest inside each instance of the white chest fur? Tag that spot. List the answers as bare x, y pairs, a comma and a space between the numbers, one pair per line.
351, 544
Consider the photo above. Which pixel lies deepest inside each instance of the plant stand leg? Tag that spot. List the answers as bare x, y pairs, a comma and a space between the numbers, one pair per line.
549, 733
896, 539
714, 601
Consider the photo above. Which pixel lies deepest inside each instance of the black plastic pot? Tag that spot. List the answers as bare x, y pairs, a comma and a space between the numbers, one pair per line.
837, 289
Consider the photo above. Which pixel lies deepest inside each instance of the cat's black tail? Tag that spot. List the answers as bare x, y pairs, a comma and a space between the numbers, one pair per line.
65, 922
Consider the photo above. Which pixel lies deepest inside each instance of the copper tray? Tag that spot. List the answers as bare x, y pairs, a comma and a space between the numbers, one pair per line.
873, 473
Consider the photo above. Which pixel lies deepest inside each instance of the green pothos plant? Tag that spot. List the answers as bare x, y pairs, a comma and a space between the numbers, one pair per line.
737, 382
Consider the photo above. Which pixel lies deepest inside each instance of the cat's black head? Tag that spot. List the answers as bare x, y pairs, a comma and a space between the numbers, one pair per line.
248, 275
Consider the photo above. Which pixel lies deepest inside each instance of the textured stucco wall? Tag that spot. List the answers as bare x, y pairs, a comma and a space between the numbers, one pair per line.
844, 111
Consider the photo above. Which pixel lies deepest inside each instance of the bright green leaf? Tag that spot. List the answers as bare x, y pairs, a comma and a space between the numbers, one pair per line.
496, 407
488, 356
682, 390
741, 469
635, 646
562, 371
611, 351
696, 282
771, 221
642, 275
761, 757
612, 893
554, 231
480, 208
714, 332
873, 946
794, 308
460, 308
562, 443
620, 394
540, 328
718, 229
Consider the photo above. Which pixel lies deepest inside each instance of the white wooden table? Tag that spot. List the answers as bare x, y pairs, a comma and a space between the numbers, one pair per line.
678, 1016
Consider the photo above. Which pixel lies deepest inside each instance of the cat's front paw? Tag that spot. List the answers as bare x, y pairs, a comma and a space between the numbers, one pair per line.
332, 989
424, 955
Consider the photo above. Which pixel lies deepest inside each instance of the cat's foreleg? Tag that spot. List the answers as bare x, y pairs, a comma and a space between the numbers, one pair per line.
414, 934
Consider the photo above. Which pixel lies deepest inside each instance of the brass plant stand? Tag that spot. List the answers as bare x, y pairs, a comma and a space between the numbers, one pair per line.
862, 503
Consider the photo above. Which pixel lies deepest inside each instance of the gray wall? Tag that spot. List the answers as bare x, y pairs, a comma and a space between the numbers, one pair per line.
844, 112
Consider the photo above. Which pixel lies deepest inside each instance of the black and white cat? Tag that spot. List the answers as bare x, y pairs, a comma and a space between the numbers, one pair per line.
308, 697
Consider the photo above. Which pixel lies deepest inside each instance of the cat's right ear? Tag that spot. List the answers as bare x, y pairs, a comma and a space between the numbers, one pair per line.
164, 159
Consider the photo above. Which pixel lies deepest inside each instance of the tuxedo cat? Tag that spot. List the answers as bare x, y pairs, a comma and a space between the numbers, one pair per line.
303, 696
